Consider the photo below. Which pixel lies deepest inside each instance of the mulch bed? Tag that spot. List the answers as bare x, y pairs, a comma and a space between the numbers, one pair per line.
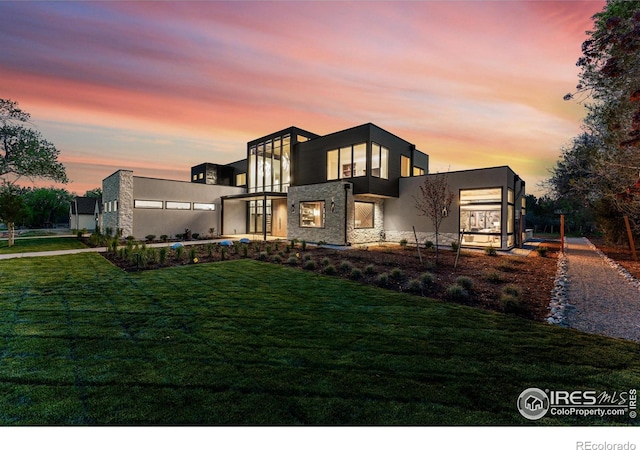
620, 254
532, 276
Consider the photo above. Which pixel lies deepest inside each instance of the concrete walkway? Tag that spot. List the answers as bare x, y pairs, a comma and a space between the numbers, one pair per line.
601, 300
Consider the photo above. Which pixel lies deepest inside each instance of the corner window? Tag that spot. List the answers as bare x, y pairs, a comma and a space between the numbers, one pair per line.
347, 162
405, 166
417, 171
241, 179
481, 217
312, 214
364, 214
379, 161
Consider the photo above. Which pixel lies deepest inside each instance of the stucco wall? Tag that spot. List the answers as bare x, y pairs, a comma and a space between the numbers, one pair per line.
171, 222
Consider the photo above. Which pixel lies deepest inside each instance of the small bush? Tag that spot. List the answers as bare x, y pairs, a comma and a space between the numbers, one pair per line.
455, 246
456, 292
396, 273
403, 243
512, 290
465, 282
506, 266
162, 256
164, 237
276, 259
427, 279
414, 285
150, 237
262, 256
309, 265
345, 266
491, 251
307, 258
192, 255
370, 269
428, 244
245, 250
494, 277
304, 245
195, 235
329, 270
152, 255
179, 252
325, 262
210, 250
542, 251
292, 261
356, 273
512, 301
382, 279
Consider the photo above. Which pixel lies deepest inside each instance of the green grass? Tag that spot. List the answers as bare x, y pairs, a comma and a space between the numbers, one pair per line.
28, 245
245, 342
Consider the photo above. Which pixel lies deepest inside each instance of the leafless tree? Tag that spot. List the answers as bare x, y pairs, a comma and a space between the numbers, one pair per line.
434, 200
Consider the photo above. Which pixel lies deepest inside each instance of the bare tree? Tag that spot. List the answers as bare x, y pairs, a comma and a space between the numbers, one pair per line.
434, 200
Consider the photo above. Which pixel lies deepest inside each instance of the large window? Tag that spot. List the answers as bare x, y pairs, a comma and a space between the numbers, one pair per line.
178, 205
379, 161
347, 162
364, 214
481, 216
405, 166
269, 165
241, 179
312, 214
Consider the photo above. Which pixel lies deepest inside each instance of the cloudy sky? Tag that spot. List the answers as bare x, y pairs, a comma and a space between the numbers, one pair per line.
157, 87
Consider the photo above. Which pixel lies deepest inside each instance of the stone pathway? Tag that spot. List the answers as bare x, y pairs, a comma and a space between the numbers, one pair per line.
601, 298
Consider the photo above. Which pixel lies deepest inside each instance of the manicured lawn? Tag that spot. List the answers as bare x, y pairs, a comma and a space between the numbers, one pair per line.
29, 245
244, 342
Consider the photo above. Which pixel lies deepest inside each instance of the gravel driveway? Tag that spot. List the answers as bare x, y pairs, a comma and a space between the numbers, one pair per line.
603, 301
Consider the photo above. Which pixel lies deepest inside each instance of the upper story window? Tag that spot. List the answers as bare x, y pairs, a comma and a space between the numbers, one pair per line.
405, 166
379, 161
347, 162
269, 165
417, 171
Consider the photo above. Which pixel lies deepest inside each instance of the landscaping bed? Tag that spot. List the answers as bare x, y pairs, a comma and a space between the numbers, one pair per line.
519, 285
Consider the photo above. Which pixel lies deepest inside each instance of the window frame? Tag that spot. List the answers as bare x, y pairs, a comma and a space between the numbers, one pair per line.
373, 215
150, 204
322, 215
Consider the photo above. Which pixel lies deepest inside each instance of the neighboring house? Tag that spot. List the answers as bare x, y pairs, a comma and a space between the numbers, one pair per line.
84, 213
355, 186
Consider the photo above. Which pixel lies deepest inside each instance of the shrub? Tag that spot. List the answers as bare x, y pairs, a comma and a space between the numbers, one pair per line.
309, 265
512, 290
210, 250
152, 255
512, 301
192, 254
414, 285
382, 279
356, 273
396, 273
195, 235
370, 269
345, 266
307, 257
494, 277
108, 231
456, 292
164, 237
150, 237
426, 279
262, 256
245, 250
403, 243
179, 252
506, 266
491, 251
325, 261
428, 244
292, 261
455, 245
223, 253
330, 269
465, 282
542, 251
162, 256
276, 259
304, 245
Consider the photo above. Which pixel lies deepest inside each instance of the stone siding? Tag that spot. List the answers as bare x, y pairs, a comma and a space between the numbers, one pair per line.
118, 187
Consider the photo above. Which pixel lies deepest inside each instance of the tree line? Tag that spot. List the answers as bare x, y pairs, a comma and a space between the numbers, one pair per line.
598, 172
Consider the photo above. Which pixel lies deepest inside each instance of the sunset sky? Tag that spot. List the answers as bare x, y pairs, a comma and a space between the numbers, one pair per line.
157, 87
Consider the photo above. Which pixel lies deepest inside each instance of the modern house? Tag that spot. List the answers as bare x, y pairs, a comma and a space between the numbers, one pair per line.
84, 213
354, 186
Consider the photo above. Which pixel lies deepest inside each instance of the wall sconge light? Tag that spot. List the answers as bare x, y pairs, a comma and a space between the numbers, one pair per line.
293, 207
445, 212
333, 205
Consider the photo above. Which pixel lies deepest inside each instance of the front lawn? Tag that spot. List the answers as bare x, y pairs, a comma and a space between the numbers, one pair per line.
246, 342
45, 244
